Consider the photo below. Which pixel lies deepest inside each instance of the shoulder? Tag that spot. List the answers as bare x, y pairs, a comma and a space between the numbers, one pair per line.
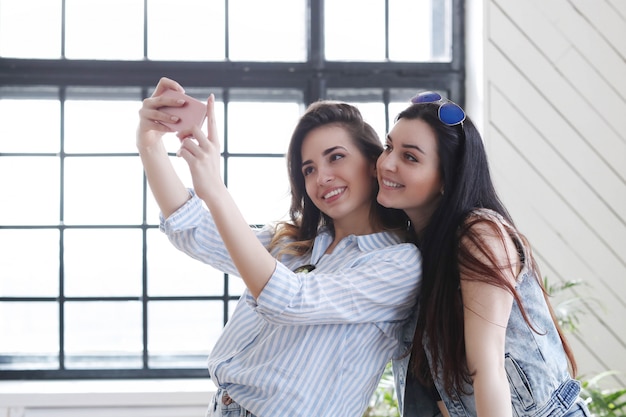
488, 237
486, 225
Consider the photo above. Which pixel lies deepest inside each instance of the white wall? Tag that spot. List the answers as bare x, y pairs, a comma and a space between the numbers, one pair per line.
547, 83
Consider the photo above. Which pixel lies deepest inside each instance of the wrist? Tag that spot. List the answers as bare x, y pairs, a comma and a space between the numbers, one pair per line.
145, 146
213, 194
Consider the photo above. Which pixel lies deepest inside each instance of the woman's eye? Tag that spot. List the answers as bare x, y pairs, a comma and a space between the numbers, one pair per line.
410, 157
336, 156
388, 147
306, 171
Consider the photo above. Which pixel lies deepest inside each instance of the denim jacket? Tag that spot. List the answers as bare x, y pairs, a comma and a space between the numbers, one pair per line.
535, 362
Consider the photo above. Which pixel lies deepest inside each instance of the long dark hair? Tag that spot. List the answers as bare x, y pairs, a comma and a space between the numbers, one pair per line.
445, 245
305, 217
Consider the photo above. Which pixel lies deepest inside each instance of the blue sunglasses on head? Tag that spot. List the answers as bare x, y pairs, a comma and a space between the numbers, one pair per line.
449, 112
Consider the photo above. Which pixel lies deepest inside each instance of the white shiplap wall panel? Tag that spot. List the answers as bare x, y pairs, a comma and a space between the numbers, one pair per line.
549, 89
558, 33
565, 97
606, 88
619, 7
544, 31
554, 109
603, 135
587, 173
601, 15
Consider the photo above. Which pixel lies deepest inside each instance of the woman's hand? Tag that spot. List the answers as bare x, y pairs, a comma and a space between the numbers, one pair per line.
150, 130
202, 154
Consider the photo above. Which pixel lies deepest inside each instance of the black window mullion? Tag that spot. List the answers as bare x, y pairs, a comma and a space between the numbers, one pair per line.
144, 259
62, 97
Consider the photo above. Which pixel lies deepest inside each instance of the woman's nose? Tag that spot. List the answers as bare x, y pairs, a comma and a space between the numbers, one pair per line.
386, 162
324, 176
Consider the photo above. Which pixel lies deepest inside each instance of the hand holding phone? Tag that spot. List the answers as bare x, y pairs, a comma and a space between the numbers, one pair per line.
190, 114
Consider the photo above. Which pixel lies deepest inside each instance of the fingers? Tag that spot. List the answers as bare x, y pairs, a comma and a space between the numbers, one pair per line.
188, 150
210, 117
151, 106
166, 84
151, 114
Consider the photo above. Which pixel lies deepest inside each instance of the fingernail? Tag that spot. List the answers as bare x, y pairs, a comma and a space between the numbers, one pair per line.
180, 101
174, 118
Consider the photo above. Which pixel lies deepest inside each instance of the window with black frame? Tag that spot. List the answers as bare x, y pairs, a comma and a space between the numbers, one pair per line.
89, 286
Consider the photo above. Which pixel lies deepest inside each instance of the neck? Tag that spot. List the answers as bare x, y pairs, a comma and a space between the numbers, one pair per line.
419, 224
342, 231
357, 228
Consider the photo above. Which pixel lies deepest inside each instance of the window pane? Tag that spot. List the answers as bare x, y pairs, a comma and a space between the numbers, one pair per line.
172, 272
260, 187
104, 29
103, 334
182, 170
103, 263
370, 104
257, 32
420, 31
30, 28
261, 127
357, 39
19, 275
178, 328
103, 190
394, 109
190, 30
236, 286
15, 114
374, 114
100, 126
30, 335
21, 204
400, 99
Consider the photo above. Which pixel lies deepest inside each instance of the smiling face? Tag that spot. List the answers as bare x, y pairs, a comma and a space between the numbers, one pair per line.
408, 171
338, 178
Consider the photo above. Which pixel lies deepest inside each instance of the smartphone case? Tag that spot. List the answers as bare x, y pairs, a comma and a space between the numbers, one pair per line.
192, 113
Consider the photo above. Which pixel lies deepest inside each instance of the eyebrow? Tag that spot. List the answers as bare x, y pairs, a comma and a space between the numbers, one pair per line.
326, 152
405, 146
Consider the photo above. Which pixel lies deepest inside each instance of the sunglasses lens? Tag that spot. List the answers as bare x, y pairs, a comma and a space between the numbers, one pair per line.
427, 97
451, 114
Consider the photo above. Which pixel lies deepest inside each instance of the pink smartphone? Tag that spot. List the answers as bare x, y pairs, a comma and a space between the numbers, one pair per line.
192, 113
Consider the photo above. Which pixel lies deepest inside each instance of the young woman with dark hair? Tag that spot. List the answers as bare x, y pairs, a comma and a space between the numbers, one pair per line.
487, 342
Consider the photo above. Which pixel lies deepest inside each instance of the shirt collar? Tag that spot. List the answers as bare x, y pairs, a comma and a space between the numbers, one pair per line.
365, 243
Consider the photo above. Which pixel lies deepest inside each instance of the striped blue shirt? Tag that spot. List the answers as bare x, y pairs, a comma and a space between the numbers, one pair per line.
316, 343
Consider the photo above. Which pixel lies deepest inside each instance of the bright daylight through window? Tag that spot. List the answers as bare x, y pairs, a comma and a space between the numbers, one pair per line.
89, 286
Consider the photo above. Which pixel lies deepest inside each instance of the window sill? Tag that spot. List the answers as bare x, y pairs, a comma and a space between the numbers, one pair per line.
106, 393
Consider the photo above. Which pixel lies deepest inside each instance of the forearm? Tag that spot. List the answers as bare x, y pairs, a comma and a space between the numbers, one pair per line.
167, 188
492, 395
254, 263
